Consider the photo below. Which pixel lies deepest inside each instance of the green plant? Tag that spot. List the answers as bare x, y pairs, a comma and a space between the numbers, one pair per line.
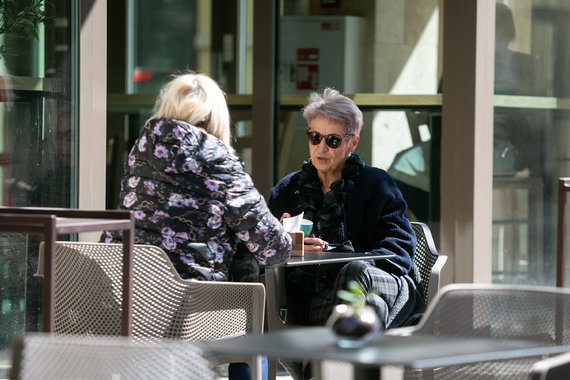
355, 295
21, 17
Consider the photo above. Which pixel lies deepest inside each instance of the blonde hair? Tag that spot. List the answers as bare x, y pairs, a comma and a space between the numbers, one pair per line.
198, 100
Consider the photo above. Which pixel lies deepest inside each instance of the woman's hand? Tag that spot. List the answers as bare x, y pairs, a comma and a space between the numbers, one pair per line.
313, 243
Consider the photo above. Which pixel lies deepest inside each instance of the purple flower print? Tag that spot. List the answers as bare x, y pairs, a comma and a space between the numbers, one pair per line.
130, 199
149, 187
139, 215
213, 246
270, 252
160, 151
179, 132
168, 243
215, 222
175, 200
243, 235
187, 259
134, 181
131, 160
219, 256
170, 169
284, 241
262, 261
108, 237
217, 249
216, 208
180, 237
261, 229
191, 165
189, 202
167, 232
142, 144
253, 247
157, 216
157, 128
211, 184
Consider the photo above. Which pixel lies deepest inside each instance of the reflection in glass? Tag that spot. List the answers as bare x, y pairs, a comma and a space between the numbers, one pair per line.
530, 137
367, 47
211, 37
38, 145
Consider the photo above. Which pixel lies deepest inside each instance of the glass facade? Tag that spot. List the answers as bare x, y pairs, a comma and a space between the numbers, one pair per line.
206, 36
386, 57
531, 120
38, 140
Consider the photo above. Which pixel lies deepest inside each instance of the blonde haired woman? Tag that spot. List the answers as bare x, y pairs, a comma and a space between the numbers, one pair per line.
186, 185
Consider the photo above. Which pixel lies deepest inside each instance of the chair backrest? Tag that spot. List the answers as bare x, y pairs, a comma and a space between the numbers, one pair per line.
554, 368
428, 260
88, 297
540, 314
43, 356
496, 311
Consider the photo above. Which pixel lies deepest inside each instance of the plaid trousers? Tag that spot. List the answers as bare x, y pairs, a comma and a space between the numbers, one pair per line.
397, 298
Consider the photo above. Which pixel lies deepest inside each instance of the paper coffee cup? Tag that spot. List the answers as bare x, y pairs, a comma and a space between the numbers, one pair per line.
306, 227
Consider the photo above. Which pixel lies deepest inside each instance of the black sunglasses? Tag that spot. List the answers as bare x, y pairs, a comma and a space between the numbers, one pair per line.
333, 141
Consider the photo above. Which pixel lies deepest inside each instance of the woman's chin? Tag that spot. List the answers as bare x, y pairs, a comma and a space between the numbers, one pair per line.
321, 166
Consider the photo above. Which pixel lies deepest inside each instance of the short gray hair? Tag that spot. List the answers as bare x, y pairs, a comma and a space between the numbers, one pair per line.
331, 104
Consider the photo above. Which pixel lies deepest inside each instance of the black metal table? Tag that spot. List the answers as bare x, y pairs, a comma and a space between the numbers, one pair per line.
413, 351
275, 277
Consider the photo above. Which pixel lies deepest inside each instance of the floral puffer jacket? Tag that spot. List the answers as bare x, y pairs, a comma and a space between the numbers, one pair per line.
185, 186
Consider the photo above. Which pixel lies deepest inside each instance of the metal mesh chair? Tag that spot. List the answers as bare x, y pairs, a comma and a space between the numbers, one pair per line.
46, 356
428, 260
89, 290
554, 368
540, 314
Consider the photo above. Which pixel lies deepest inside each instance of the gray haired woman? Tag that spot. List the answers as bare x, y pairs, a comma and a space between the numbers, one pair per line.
349, 203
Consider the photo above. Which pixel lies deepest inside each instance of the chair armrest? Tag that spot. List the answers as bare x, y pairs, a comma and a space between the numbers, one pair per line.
249, 295
402, 331
434, 279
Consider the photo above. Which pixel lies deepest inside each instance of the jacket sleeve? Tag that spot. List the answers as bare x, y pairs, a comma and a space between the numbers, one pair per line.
379, 221
250, 218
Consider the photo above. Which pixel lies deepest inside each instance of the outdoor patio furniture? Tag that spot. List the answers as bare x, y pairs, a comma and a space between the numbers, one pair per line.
88, 295
500, 312
49, 356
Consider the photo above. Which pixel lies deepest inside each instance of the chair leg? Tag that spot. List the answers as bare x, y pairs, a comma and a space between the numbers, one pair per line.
255, 367
271, 369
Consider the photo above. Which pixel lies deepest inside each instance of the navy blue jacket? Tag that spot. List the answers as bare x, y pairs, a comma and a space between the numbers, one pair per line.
375, 212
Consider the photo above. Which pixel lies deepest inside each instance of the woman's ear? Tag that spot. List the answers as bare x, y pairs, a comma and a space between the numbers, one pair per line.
354, 141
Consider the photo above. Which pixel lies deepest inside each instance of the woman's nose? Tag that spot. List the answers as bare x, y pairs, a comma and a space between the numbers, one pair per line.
323, 145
